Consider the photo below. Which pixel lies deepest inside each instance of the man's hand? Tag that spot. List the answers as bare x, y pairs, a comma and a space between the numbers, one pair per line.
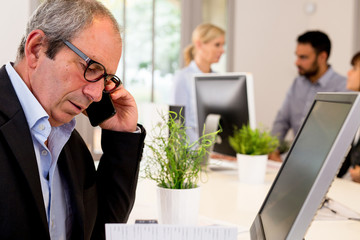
355, 173
126, 117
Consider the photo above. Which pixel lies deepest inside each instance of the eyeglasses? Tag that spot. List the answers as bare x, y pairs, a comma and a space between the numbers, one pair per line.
95, 71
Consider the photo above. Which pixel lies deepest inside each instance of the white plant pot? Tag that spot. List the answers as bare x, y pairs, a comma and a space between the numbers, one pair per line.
251, 168
178, 206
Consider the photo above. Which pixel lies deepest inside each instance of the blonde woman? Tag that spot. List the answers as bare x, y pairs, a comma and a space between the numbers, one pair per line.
206, 48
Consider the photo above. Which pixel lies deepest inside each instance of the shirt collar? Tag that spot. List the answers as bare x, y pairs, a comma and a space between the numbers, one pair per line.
30, 105
195, 67
325, 78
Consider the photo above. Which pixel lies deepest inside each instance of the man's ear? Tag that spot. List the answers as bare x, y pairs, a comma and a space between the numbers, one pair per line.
34, 47
323, 57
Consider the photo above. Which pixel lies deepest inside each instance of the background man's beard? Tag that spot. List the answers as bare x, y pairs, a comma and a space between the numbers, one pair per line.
312, 72
309, 74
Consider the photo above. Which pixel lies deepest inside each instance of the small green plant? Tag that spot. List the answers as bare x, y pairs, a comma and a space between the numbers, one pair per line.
173, 161
252, 141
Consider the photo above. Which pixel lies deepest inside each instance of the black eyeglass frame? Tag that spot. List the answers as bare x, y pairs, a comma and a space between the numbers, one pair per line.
107, 77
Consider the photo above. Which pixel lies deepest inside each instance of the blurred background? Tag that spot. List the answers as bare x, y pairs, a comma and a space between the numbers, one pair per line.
261, 39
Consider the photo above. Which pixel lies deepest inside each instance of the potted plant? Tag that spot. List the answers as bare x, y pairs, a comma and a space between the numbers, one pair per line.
175, 165
252, 147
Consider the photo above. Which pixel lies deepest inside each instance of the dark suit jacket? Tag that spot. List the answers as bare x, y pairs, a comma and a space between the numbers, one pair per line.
97, 197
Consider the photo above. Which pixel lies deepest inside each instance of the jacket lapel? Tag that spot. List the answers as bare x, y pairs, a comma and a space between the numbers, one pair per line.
68, 172
14, 128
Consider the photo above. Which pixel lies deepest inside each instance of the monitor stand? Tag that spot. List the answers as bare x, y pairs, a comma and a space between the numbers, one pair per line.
211, 125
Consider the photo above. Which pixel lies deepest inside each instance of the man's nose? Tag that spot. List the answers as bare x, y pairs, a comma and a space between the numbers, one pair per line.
94, 90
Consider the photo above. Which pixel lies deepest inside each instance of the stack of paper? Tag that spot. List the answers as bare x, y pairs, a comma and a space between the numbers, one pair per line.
168, 232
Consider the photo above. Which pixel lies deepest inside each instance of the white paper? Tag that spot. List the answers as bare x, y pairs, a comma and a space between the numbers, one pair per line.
168, 232
333, 210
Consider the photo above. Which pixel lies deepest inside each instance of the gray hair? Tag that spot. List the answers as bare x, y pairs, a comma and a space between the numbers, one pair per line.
63, 20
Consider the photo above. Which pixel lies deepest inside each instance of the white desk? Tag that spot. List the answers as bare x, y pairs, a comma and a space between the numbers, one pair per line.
348, 194
225, 199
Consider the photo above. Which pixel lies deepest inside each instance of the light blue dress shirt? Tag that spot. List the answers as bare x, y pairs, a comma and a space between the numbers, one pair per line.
55, 193
299, 99
184, 94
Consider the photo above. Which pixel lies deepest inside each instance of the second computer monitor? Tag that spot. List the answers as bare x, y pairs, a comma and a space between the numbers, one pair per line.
309, 167
229, 95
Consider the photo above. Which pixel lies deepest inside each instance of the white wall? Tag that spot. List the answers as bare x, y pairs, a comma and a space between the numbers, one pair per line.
265, 42
13, 18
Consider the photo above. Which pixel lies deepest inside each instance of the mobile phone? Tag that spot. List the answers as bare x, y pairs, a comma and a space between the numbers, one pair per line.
100, 111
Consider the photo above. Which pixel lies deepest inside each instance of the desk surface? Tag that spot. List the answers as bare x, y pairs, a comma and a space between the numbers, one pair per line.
225, 200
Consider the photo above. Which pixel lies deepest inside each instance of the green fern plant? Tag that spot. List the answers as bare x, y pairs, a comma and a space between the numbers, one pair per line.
252, 141
173, 161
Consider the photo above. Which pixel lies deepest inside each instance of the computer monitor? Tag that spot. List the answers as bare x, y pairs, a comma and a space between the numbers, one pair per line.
309, 168
231, 96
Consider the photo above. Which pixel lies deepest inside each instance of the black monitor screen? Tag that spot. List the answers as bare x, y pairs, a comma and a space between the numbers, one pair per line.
226, 95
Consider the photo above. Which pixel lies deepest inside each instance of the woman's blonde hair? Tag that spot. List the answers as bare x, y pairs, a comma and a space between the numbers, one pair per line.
204, 33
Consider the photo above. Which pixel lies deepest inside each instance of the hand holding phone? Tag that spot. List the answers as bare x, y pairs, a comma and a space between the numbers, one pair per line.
101, 111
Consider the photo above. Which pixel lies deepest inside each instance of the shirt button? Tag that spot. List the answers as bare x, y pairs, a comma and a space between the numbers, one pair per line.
41, 127
44, 152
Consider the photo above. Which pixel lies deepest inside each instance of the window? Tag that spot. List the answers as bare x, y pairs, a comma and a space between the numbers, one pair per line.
151, 46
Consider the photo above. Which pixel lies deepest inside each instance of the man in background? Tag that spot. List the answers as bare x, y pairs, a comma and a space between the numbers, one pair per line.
315, 75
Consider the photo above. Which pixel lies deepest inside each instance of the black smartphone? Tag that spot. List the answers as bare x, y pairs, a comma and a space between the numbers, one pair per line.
100, 111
